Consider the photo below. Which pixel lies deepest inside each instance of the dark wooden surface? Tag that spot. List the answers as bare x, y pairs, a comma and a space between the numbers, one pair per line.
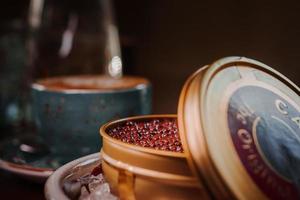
14, 187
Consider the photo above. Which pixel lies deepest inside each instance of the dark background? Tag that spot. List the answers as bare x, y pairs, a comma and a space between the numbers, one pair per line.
167, 40
174, 38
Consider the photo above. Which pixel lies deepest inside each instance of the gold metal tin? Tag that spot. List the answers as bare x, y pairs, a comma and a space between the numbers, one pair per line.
206, 137
136, 172
222, 159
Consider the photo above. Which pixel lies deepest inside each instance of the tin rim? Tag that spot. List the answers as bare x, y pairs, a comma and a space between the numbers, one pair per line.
135, 147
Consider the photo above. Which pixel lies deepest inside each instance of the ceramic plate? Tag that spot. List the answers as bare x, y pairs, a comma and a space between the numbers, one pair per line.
29, 157
70, 171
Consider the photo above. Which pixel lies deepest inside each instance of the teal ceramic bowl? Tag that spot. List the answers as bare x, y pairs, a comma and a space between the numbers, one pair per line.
68, 111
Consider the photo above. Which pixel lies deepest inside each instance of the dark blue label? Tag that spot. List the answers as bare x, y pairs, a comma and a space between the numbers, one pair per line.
265, 129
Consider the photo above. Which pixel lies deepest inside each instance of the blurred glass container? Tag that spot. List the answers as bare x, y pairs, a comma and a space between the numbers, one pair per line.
72, 37
14, 111
45, 38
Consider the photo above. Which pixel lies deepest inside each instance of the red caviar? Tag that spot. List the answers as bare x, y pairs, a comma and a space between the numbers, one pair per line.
159, 134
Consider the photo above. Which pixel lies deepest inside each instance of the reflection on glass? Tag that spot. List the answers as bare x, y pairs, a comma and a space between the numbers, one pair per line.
74, 37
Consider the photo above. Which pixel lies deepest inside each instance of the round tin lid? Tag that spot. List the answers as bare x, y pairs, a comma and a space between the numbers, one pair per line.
239, 122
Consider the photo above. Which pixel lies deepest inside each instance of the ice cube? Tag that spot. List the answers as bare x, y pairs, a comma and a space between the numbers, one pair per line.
95, 181
85, 195
102, 192
104, 196
72, 188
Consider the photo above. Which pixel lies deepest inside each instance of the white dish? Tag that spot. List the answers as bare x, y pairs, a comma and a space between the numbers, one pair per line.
71, 170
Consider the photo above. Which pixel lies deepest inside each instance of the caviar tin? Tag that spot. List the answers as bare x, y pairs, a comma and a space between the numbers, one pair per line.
136, 172
239, 124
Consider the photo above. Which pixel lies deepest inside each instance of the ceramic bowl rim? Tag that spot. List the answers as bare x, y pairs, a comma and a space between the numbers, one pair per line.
53, 189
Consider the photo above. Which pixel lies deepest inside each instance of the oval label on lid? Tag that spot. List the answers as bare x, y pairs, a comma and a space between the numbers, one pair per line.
265, 129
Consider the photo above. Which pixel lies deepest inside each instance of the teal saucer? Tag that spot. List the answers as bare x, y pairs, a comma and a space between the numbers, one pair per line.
29, 157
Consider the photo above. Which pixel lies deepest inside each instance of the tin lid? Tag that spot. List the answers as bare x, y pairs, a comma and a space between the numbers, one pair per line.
239, 122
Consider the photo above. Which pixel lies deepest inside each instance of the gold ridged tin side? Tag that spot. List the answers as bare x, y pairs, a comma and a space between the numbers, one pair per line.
135, 172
